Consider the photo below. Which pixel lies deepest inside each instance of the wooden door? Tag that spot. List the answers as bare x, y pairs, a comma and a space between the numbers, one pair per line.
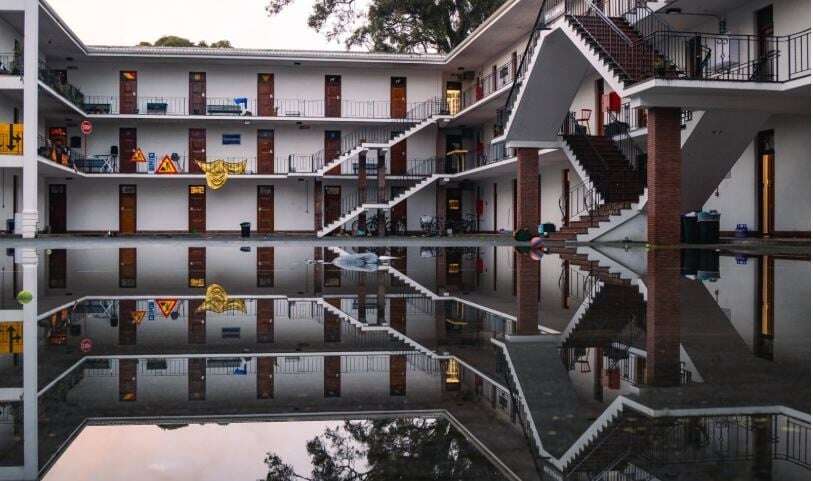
197, 93
398, 366
766, 182
265, 267
333, 148
333, 325
128, 211
197, 150
128, 267
128, 379
196, 323
127, 324
265, 151
197, 208
196, 266
128, 92
398, 214
398, 314
265, 95
265, 321
57, 208
398, 158
265, 377
57, 269
333, 376
197, 379
333, 203
333, 96
398, 93
128, 143
265, 209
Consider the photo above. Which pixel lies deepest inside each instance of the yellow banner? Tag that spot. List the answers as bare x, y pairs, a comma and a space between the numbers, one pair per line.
11, 337
11, 139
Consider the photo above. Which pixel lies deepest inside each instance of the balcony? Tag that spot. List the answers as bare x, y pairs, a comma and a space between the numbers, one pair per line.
486, 85
57, 80
11, 63
248, 107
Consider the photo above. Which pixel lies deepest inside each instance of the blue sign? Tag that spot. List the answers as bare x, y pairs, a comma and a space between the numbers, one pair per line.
150, 310
231, 139
151, 162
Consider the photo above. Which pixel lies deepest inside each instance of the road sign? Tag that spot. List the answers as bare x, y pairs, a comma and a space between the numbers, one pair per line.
86, 127
86, 345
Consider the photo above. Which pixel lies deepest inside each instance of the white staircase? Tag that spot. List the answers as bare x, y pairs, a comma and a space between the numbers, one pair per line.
349, 216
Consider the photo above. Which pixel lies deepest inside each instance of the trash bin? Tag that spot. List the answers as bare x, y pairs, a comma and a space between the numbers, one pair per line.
708, 227
547, 229
245, 229
689, 262
9, 226
688, 228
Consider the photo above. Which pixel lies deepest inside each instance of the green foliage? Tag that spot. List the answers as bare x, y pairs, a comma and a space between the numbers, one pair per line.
397, 25
175, 41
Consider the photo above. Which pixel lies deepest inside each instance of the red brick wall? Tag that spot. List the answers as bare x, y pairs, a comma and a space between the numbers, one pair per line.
527, 189
663, 175
527, 272
663, 318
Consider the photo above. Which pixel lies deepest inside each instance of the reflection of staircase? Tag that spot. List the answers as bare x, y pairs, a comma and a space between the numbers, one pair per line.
355, 212
613, 184
614, 308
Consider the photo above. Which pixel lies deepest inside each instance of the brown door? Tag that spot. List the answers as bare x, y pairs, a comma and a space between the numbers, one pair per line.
127, 322
333, 203
599, 106
766, 179
197, 208
398, 158
196, 323
128, 142
333, 325
265, 95
265, 208
128, 92
57, 208
398, 314
128, 267
196, 266
57, 269
265, 267
197, 93
398, 365
265, 321
128, 199
399, 212
333, 376
333, 148
265, 151
333, 96
197, 149
398, 92
128, 379
197, 379
265, 377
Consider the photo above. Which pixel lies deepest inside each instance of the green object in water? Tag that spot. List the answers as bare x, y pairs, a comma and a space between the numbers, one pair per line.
24, 297
522, 235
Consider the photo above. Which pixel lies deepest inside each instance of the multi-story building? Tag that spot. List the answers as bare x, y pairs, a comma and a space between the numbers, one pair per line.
609, 122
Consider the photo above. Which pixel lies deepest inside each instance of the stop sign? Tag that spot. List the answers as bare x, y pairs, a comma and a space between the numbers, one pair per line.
86, 345
86, 127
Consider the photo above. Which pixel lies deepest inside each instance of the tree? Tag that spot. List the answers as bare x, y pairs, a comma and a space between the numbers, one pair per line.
400, 449
401, 26
176, 41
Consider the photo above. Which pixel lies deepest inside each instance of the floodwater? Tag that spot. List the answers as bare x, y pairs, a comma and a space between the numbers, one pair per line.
177, 362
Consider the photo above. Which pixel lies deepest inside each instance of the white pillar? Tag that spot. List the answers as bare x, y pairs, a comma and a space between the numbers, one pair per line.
30, 118
28, 259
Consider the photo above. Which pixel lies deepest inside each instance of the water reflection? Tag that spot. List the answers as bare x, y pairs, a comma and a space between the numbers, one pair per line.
569, 364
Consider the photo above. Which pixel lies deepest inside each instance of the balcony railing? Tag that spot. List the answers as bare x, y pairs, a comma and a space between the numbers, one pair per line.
244, 106
59, 83
11, 63
486, 85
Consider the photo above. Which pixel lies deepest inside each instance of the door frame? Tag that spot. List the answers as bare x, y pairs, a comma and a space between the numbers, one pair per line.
200, 190
328, 84
265, 110
766, 201
122, 93
324, 202
63, 208
122, 187
273, 219
266, 134
393, 87
202, 80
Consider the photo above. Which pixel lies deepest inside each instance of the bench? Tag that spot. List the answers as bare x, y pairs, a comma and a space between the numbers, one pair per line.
97, 108
224, 110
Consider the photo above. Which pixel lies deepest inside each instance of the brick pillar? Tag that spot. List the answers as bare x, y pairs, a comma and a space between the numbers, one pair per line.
663, 175
361, 297
318, 269
663, 318
362, 189
381, 297
318, 198
527, 189
527, 295
382, 191
440, 207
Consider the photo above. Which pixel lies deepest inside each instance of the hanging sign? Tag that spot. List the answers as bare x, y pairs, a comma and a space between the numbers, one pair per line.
150, 310
167, 166
86, 345
151, 162
137, 317
138, 156
86, 127
166, 306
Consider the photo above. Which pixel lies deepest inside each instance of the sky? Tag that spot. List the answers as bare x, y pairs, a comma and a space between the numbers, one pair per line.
245, 23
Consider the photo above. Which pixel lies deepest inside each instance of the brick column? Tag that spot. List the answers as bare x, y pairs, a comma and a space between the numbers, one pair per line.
317, 270
361, 297
382, 191
362, 189
663, 175
663, 318
527, 189
318, 198
440, 207
527, 295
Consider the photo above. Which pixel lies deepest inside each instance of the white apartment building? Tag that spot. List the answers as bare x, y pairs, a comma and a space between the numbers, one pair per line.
319, 142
